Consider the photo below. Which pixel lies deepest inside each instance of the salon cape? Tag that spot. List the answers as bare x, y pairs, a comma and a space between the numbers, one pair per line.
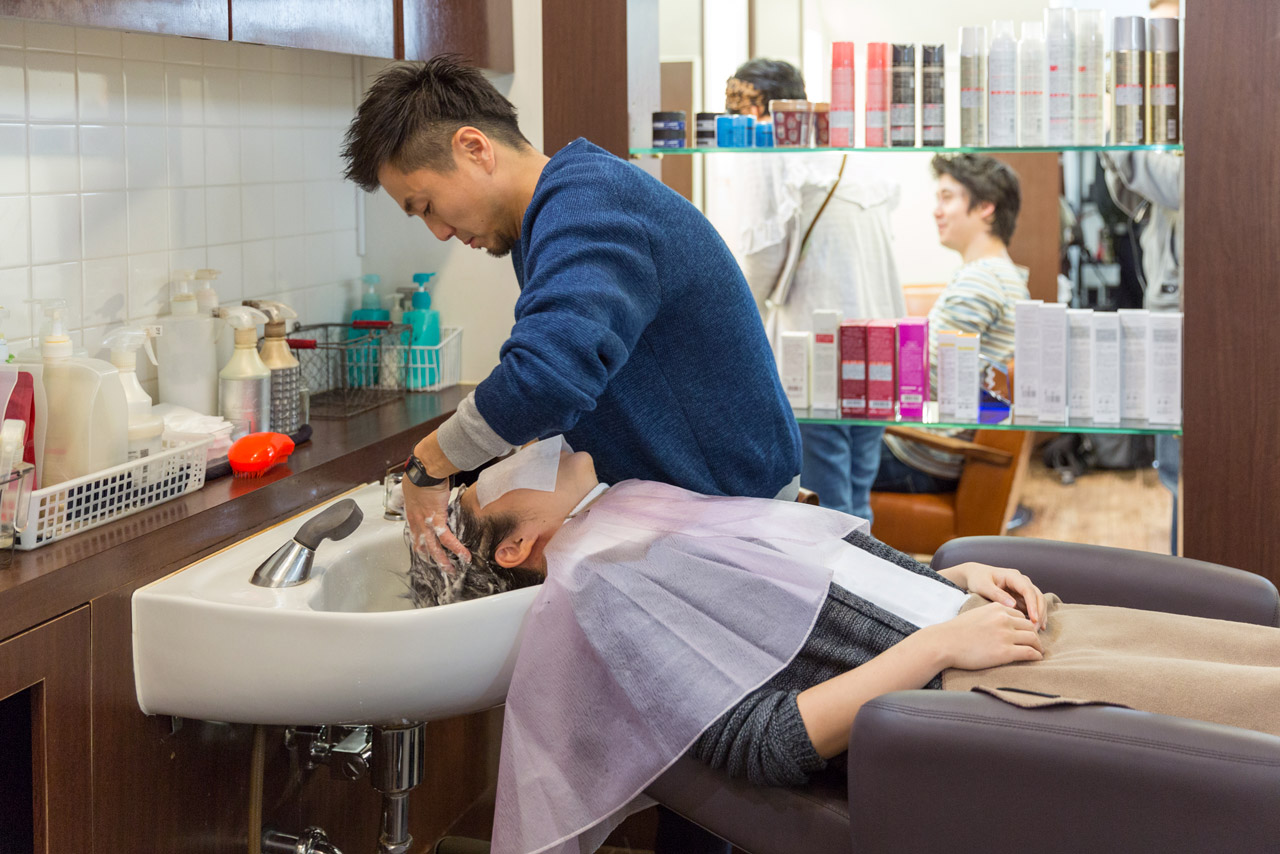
662, 609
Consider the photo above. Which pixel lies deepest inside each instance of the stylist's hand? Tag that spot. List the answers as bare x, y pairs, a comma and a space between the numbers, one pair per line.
426, 508
1000, 584
988, 636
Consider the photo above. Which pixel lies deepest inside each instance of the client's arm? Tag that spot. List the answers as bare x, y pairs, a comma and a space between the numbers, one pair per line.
983, 637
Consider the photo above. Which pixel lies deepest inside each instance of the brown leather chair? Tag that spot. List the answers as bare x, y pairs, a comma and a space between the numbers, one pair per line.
983, 502
952, 771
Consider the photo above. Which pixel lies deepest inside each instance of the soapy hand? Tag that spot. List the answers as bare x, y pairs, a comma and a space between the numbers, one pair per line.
426, 508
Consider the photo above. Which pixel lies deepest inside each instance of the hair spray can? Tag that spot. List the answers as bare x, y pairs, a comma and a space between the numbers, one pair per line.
933, 122
1163, 126
1128, 87
973, 86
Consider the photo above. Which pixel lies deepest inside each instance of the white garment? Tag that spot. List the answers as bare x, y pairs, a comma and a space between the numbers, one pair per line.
1156, 177
849, 262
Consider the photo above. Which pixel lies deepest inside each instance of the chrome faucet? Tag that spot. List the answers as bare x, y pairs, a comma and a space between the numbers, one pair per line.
290, 565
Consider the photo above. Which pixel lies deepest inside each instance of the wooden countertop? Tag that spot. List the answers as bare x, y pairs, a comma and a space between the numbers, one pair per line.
53, 579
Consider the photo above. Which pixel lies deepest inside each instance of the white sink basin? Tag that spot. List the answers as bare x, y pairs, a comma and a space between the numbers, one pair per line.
346, 647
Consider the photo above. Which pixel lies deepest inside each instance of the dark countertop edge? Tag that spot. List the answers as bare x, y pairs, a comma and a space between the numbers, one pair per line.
42, 583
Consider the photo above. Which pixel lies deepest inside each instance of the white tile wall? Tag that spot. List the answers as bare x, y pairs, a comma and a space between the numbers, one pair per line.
126, 156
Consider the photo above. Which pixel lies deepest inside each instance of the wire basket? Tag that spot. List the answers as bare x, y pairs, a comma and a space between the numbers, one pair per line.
86, 502
350, 368
436, 367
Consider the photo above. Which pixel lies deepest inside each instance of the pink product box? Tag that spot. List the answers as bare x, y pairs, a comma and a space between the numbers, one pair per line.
882, 389
913, 366
853, 369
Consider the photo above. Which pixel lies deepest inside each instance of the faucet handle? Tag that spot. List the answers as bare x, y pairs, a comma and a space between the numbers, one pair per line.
334, 523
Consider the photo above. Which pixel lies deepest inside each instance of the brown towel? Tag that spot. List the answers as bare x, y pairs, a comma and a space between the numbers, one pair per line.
1191, 667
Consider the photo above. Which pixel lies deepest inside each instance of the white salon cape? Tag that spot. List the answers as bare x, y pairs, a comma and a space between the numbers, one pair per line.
661, 610
848, 265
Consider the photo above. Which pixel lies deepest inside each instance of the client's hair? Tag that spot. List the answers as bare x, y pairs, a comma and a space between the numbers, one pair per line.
431, 584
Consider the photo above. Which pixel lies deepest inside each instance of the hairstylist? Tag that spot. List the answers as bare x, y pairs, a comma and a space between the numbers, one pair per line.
635, 334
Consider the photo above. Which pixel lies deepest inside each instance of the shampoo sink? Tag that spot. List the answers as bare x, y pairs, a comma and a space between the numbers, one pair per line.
346, 647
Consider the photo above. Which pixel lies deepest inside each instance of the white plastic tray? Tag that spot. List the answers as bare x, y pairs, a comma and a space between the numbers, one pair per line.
77, 505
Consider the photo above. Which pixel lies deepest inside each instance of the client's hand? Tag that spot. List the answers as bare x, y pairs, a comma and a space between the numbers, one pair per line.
999, 584
426, 508
987, 637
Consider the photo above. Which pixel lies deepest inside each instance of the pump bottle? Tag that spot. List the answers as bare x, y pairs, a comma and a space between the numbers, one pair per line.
424, 333
362, 369
244, 385
286, 372
188, 369
87, 423
207, 306
145, 428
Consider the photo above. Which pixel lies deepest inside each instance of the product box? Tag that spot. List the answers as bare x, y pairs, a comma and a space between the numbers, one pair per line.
1026, 357
1164, 367
1104, 381
946, 391
882, 345
1134, 329
968, 373
793, 368
913, 367
824, 374
853, 369
1079, 362
1053, 363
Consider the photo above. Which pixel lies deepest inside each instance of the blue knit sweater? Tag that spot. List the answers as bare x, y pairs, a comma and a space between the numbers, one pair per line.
636, 336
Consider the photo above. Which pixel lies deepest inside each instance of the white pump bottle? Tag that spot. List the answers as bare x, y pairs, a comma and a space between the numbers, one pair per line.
88, 416
244, 385
145, 428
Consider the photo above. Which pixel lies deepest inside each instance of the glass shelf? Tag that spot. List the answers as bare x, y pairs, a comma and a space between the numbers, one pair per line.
914, 150
992, 419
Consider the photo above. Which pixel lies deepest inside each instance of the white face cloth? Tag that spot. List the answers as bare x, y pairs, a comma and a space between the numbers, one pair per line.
534, 467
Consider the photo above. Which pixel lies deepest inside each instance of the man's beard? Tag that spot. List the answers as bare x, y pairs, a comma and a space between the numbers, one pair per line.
503, 249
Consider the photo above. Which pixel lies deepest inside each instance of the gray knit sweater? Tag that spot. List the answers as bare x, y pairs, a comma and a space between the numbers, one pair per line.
763, 738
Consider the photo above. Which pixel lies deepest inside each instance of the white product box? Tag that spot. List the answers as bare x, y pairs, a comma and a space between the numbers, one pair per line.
825, 372
1053, 363
1105, 378
1026, 357
1164, 368
968, 384
947, 388
1134, 329
793, 367
1079, 362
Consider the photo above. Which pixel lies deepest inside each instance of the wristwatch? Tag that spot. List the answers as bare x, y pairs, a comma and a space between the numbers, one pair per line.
416, 472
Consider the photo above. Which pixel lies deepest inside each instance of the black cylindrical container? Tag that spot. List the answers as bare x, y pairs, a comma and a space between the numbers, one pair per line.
933, 122
706, 130
669, 129
902, 100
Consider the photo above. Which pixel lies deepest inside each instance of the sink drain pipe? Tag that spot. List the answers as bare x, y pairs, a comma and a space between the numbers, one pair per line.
399, 755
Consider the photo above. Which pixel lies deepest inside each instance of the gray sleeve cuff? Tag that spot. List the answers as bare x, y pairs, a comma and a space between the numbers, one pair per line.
467, 439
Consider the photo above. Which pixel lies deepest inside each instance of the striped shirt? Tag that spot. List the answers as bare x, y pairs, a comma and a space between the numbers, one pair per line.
979, 299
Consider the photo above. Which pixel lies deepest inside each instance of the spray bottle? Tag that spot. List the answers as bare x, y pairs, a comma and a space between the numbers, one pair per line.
25, 401
88, 416
424, 333
286, 372
187, 351
244, 385
207, 306
145, 428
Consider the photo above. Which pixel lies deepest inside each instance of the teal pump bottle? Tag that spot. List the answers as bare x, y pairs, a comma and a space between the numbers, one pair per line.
362, 368
423, 337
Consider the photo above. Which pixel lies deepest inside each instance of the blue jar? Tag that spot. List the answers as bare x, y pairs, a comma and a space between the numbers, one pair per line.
764, 134
725, 132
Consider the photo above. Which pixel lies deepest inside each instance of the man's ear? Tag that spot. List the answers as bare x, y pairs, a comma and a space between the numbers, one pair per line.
514, 550
986, 210
471, 145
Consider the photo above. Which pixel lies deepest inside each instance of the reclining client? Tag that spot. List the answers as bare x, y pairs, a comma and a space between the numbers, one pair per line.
749, 632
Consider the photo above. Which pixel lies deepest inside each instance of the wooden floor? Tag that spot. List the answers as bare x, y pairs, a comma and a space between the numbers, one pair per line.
1126, 509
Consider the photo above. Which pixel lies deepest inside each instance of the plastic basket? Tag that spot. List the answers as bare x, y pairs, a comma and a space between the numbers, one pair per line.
67, 508
433, 368
349, 368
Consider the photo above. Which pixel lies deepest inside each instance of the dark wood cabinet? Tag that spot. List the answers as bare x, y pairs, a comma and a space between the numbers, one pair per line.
45, 710
478, 30
206, 19
364, 27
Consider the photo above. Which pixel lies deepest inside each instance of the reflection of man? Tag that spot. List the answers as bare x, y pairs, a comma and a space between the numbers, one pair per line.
977, 210
635, 335
847, 264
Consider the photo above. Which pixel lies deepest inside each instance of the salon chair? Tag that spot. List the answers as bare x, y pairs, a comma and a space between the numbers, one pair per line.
952, 771
985, 498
